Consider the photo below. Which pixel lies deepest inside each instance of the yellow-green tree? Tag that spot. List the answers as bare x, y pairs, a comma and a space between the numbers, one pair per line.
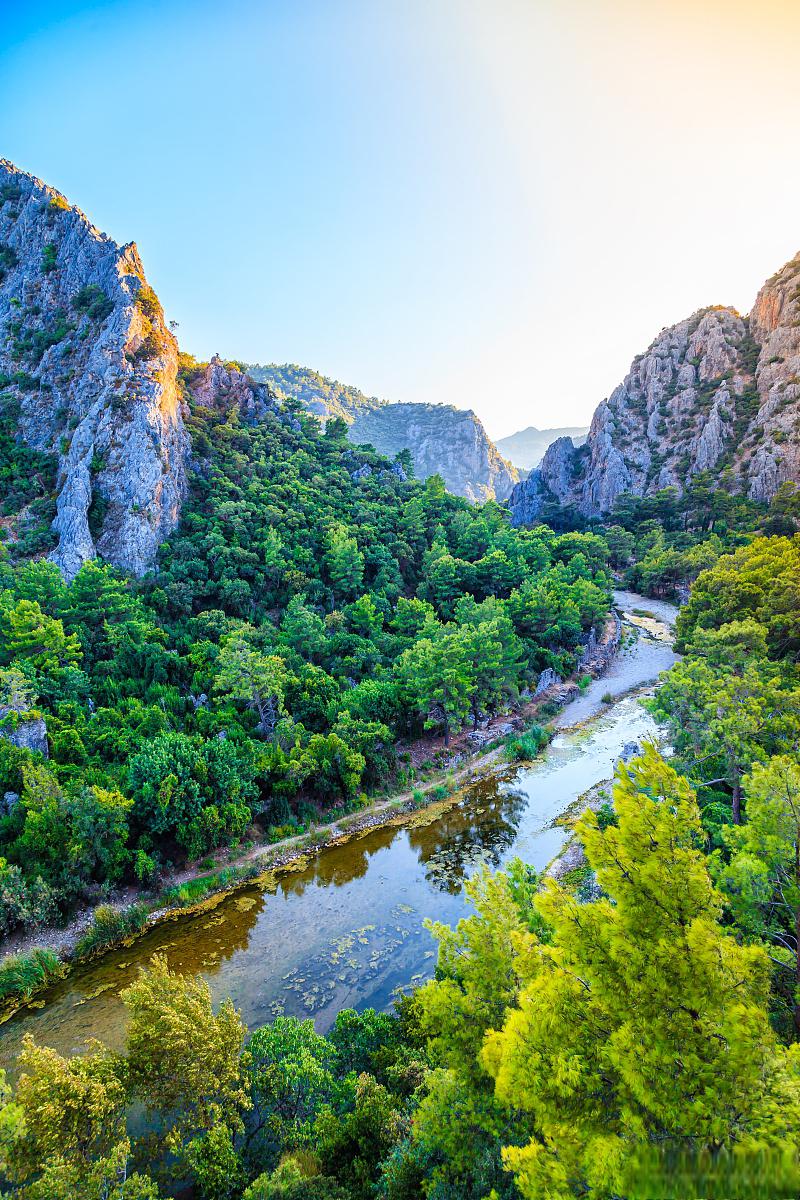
63, 1137
184, 1062
641, 1020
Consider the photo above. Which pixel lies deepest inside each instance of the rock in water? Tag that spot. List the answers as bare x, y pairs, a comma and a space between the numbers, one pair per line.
85, 350
717, 392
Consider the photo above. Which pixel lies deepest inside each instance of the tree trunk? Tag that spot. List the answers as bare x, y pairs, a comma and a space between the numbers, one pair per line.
737, 798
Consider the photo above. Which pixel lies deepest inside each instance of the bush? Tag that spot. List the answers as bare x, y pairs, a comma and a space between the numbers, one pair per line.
584, 682
111, 925
440, 793
49, 256
23, 974
93, 301
607, 698
525, 746
8, 259
606, 815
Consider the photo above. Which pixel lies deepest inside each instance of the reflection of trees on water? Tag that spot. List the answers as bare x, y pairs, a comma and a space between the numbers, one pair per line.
480, 830
201, 944
338, 865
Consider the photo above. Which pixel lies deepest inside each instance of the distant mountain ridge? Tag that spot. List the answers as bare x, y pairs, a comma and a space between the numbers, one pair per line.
526, 448
718, 392
442, 439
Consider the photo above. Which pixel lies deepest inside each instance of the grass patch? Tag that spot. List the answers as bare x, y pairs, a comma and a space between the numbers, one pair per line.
23, 974
195, 890
606, 698
111, 925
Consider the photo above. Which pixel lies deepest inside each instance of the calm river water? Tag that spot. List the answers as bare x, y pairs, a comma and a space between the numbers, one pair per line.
347, 930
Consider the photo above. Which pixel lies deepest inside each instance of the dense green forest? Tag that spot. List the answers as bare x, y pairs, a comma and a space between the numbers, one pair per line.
290, 381
315, 607
659, 543
642, 1043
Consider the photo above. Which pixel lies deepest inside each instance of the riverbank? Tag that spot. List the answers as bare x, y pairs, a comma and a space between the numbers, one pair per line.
343, 927
267, 864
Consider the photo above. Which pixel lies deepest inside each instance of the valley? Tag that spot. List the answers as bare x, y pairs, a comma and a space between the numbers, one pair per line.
343, 927
425, 830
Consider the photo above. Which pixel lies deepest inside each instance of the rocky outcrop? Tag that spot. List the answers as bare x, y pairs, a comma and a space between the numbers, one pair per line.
87, 356
442, 440
527, 448
26, 731
717, 392
224, 386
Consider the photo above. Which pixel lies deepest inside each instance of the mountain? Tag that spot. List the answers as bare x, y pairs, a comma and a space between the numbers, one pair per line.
718, 392
526, 448
89, 384
443, 440
88, 378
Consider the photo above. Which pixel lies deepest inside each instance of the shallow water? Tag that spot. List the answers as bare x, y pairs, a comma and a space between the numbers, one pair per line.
347, 930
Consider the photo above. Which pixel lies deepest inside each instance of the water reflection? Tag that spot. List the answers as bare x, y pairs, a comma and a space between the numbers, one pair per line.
481, 830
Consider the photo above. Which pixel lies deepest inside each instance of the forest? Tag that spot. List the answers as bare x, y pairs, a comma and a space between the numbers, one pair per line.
317, 610
640, 1043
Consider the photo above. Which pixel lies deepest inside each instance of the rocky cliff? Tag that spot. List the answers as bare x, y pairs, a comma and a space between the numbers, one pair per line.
717, 392
90, 365
443, 440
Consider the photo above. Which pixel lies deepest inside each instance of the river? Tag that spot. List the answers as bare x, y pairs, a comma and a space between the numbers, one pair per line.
347, 930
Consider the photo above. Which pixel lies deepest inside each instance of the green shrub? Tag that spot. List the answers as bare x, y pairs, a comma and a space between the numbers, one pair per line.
525, 746
440, 792
93, 301
111, 925
606, 815
584, 682
607, 698
8, 260
23, 974
147, 302
49, 257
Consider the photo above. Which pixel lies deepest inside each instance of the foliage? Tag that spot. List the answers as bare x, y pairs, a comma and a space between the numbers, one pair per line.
627, 984
23, 974
304, 618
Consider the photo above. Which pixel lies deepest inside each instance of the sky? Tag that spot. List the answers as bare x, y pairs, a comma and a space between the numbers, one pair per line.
488, 203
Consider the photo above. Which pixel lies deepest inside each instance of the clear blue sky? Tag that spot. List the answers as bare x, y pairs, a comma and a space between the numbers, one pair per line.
493, 203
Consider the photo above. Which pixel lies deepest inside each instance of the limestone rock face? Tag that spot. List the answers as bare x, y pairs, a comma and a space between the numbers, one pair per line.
443, 440
527, 448
28, 734
717, 392
87, 355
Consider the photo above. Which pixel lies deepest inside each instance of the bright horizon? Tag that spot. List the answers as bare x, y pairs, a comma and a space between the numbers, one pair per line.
493, 205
